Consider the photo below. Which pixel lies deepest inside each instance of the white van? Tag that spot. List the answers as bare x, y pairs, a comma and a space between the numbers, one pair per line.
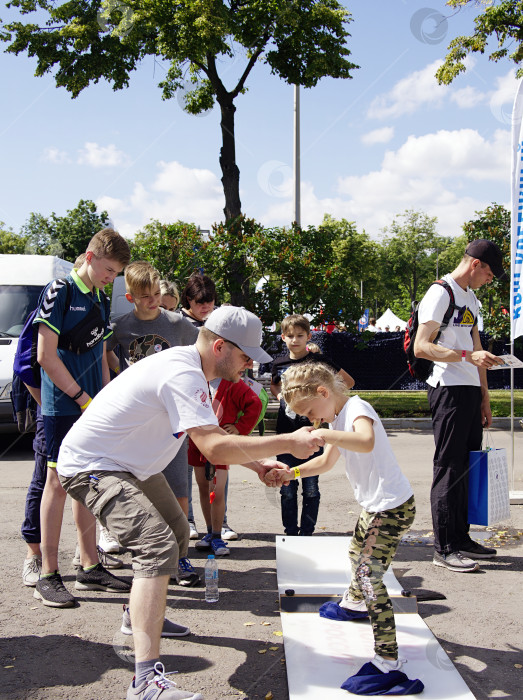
22, 278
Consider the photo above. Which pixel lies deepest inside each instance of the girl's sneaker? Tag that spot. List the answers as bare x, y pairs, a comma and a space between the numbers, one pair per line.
348, 604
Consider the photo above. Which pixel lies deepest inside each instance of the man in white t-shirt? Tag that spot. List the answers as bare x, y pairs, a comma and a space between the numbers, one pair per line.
458, 398
112, 459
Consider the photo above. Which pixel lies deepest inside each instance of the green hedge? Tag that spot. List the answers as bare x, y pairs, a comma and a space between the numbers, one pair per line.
414, 404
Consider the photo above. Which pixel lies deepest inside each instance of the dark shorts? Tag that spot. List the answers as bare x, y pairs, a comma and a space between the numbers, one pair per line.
56, 428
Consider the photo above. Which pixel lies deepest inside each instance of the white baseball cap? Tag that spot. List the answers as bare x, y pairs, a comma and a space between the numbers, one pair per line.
240, 327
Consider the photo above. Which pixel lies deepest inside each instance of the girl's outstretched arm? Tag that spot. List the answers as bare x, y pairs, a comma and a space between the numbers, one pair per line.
360, 440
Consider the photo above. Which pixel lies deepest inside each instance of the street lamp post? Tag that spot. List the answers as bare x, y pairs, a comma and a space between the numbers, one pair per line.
297, 183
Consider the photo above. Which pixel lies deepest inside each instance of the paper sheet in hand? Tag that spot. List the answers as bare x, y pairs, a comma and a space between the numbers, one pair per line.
508, 362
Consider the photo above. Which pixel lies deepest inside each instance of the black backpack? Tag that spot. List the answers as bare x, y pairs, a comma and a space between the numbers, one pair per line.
419, 367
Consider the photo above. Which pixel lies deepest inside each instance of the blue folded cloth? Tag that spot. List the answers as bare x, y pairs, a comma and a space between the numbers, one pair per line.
371, 681
333, 611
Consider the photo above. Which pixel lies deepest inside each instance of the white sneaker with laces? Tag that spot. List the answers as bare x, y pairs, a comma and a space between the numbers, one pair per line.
193, 535
228, 533
108, 542
349, 604
32, 570
157, 684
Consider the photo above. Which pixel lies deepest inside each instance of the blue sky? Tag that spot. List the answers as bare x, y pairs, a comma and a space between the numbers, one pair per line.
388, 140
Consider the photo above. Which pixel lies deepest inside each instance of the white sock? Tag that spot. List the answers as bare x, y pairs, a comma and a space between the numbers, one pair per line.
387, 665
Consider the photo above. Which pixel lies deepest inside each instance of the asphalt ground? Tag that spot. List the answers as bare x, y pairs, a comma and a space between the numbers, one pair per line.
235, 649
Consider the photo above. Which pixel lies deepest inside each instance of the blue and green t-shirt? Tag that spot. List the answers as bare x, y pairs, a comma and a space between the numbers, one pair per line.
86, 367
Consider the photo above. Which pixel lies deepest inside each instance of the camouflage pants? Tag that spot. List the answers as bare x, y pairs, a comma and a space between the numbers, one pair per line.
373, 546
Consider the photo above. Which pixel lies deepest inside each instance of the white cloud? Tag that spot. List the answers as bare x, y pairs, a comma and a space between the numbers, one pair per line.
409, 94
55, 155
427, 173
502, 98
378, 136
468, 97
101, 156
177, 193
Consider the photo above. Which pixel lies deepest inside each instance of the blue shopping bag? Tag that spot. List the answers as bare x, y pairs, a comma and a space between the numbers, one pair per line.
489, 500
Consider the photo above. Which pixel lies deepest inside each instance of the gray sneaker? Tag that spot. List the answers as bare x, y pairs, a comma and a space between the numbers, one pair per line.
157, 684
32, 570
455, 561
99, 579
52, 592
169, 629
106, 560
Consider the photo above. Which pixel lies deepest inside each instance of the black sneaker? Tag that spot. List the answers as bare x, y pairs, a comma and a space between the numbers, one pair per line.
52, 592
99, 579
478, 551
455, 561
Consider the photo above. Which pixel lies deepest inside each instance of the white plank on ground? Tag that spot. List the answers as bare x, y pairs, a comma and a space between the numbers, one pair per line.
321, 654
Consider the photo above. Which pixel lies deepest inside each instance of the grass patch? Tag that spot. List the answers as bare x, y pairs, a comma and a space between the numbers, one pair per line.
414, 404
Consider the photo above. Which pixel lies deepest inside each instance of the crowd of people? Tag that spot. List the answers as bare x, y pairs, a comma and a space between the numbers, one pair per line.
128, 411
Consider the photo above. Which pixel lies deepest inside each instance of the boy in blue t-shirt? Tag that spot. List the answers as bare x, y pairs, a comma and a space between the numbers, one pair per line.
72, 355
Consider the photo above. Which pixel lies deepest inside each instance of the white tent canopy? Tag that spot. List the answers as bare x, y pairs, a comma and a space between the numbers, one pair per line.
390, 319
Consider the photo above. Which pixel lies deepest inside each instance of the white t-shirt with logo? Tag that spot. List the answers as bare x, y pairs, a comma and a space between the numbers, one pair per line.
375, 477
456, 336
138, 421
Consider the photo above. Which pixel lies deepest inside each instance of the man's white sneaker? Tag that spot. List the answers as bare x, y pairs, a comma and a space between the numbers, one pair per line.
32, 570
228, 533
108, 542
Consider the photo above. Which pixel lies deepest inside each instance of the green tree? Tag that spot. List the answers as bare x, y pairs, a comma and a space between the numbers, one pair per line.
11, 242
175, 250
410, 255
74, 230
493, 223
302, 41
503, 20
39, 233
65, 236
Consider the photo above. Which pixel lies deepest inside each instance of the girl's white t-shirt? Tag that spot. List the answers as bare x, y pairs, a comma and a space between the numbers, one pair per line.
138, 421
375, 477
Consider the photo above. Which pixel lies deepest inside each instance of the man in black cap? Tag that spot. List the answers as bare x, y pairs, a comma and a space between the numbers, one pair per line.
458, 398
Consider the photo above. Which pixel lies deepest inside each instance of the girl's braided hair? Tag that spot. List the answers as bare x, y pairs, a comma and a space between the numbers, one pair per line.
302, 381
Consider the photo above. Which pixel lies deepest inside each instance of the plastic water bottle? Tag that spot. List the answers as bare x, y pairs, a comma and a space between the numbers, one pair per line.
212, 592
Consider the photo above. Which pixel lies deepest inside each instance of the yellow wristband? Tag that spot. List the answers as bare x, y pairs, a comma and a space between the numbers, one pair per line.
86, 404
296, 471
